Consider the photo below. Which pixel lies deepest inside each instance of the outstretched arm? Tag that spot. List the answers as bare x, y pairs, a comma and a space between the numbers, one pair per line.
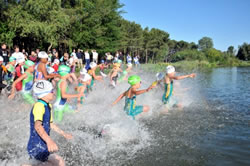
143, 91
183, 77
59, 131
46, 75
119, 98
63, 87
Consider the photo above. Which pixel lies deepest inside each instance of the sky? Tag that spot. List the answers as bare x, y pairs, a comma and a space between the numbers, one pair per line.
227, 22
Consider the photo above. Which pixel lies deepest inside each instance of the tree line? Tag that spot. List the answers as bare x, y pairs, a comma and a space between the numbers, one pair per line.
97, 24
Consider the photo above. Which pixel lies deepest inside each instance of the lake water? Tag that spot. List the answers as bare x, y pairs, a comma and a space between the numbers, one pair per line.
212, 128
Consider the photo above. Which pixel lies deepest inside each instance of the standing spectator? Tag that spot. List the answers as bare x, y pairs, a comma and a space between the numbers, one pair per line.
72, 61
25, 53
121, 56
37, 51
129, 59
18, 55
116, 57
136, 60
80, 58
65, 59
2, 72
55, 56
73, 55
87, 59
95, 56
33, 57
109, 58
4, 54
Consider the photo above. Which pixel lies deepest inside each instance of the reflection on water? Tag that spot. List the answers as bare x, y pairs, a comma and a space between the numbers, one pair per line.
212, 128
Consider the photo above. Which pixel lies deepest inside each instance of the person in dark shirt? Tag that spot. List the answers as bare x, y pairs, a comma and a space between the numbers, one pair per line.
80, 58
4, 54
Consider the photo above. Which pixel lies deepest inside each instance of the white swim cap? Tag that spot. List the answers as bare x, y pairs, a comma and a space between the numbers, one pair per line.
83, 71
42, 54
50, 70
1, 59
170, 69
56, 61
42, 88
92, 65
86, 77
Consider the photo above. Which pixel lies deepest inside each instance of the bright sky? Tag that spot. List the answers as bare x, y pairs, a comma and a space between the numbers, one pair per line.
227, 22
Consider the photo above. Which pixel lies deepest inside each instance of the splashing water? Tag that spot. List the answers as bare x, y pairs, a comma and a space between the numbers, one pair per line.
180, 137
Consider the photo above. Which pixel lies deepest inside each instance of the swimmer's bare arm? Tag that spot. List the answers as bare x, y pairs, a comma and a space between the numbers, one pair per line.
13, 90
59, 131
142, 91
118, 99
45, 74
63, 87
183, 77
52, 147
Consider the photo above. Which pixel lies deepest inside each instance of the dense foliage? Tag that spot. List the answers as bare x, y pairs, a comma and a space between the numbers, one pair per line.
98, 24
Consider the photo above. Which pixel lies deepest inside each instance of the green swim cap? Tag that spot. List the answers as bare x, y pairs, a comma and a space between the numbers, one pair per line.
132, 80
12, 59
63, 70
28, 63
119, 61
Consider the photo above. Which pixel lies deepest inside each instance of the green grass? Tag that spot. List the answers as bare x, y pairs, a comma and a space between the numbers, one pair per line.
193, 65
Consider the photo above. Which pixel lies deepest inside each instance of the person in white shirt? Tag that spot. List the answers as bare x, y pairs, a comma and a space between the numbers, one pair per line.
87, 59
95, 56
18, 55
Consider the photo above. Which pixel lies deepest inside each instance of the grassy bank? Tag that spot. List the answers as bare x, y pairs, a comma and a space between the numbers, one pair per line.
192, 65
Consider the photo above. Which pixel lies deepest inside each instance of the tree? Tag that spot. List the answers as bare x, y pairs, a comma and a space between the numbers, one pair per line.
244, 52
230, 50
205, 43
42, 21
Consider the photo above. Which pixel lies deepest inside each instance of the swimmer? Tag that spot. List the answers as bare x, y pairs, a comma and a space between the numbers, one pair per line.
40, 144
62, 94
9, 77
41, 69
130, 97
103, 66
84, 80
114, 73
91, 72
168, 99
27, 83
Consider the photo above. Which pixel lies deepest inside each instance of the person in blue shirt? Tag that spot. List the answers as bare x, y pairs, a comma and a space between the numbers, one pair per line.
41, 145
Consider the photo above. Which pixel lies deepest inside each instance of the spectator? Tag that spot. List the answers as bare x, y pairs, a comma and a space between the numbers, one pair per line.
18, 55
4, 53
87, 59
95, 56
109, 58
129, 59
80, 58
136, 60
33, 57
